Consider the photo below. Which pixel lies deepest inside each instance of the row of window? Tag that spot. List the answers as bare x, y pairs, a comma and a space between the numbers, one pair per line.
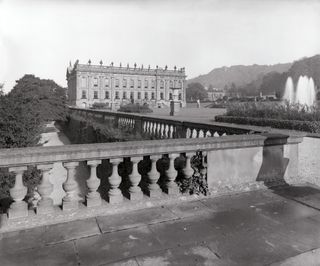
124, 95
132, 83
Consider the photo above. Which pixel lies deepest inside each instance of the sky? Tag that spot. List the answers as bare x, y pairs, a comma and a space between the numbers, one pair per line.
41, 37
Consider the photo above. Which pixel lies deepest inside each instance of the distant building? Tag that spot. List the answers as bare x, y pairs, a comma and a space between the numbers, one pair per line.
89, 84
215, 94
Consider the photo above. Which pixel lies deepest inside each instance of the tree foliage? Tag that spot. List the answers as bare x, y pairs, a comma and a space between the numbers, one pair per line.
23, 111
196, 91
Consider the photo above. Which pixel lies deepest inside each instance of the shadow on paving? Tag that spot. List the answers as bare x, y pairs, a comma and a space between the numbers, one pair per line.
252, 228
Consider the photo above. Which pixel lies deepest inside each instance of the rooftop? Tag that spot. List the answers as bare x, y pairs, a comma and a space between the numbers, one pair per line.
126, 69
264, 227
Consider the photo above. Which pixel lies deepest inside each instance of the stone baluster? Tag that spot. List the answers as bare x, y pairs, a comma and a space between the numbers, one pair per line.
151, 129
169, 132
166, 131
188, 171
174, 132
188, 133
198, 133
18, 208
135, 192
70, 201
45, 189
154, 190
157, 130
93, 197
171, 173
114, 194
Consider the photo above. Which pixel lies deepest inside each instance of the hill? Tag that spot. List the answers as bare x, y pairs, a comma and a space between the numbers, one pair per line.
240, 75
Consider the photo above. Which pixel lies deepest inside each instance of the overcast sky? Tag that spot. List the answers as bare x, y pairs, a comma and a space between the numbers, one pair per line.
40, 37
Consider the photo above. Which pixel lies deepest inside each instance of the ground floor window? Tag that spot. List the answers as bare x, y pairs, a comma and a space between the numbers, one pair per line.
161, 95
95, 95
117, 95
84, 95
107, 95
152, 96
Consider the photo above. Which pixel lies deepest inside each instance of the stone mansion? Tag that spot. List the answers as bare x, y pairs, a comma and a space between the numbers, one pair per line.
114, 86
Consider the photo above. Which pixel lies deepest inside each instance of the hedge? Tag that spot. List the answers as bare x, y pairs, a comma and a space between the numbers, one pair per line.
135, 108
308, 126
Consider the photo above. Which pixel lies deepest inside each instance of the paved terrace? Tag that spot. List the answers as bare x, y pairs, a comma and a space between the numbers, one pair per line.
262, 227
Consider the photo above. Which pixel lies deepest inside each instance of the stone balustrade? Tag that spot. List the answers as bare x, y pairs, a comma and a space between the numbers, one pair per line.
226, 161
160, 128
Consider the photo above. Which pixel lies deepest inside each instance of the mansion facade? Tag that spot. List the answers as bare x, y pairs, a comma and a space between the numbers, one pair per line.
114, 86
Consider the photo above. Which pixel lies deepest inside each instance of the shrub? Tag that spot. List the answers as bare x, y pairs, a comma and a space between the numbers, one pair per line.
309, 126
100, 106
135, 108
274, 111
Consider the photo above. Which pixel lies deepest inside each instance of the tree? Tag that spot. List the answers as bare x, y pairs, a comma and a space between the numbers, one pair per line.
196, 91
50, 97
24, 110
1, 89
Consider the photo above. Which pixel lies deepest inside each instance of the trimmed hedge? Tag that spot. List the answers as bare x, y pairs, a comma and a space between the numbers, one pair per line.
135, 108
309, 126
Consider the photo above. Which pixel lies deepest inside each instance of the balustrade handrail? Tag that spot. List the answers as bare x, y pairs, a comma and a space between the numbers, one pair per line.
81, 152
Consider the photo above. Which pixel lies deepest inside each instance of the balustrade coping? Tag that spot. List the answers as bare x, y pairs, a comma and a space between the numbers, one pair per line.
86, 152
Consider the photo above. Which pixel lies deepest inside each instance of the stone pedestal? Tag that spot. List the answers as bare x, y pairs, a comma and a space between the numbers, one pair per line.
174, 107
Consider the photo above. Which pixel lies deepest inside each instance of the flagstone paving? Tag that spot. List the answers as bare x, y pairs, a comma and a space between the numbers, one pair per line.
269, 227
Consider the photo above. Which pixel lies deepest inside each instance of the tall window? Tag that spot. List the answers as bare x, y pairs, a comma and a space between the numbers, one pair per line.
83, 82
161, 95
161, 84
117, 83
124, 83
131, 83
139, 95
131, 95
124, 95
95, 82
146, 83
180, 96
152, 84
139, 83
152, 96
84, 95
106, 95
170, 96
95, 95
146, 95
117, 95
106, 82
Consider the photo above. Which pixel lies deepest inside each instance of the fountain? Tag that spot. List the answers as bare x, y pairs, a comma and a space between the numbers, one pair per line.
289, 91
304, 93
